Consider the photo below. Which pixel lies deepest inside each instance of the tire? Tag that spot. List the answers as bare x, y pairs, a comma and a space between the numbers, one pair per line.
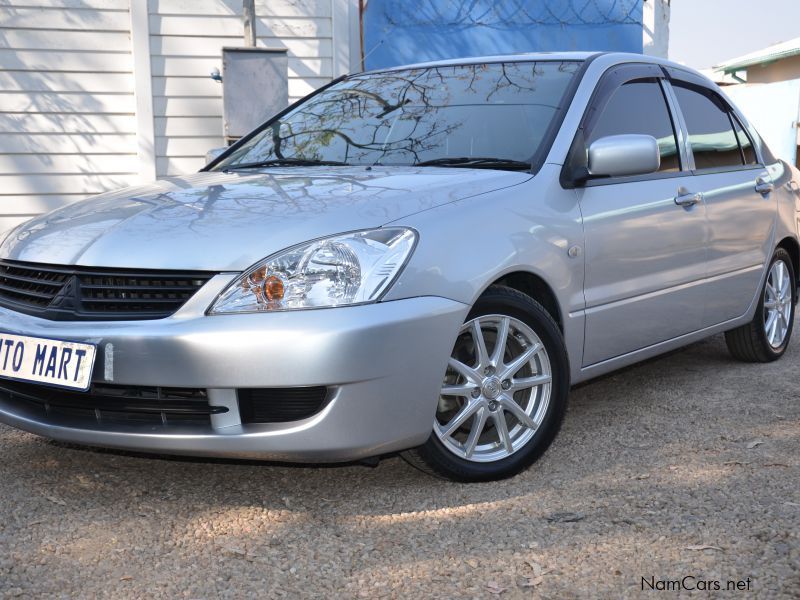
754, 342
516, 409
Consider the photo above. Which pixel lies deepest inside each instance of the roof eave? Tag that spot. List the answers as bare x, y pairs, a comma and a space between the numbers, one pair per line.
732, 67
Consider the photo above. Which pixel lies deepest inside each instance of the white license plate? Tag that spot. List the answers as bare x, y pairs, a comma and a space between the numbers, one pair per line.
54, 362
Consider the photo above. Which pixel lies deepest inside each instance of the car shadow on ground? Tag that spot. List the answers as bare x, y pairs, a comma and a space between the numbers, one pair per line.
627, 419
684, 451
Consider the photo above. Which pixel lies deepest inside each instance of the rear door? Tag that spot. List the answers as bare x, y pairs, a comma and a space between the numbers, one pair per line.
645, 253
740, 206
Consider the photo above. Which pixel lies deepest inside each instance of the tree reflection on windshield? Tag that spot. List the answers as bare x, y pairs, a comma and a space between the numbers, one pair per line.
411, 116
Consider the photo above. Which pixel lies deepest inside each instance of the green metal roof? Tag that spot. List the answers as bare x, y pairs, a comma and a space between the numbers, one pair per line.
760, 57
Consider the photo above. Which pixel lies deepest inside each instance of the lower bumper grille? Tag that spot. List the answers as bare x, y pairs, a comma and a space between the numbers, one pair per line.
130, 405
279, 405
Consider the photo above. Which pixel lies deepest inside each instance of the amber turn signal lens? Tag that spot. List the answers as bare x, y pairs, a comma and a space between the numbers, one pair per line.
258, 276
255, 279
273, 288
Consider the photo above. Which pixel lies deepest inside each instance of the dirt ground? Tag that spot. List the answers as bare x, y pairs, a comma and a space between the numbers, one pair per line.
684, 470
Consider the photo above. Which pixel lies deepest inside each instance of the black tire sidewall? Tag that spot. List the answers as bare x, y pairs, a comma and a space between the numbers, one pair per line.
504, 301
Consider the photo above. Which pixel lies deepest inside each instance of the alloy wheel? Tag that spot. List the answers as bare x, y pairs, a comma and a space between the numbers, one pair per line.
777, 304
496, 389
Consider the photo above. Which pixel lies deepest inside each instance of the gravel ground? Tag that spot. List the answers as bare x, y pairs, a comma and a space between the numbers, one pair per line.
688, 465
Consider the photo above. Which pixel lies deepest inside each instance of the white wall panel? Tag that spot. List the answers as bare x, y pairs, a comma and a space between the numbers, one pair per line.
64, 103
186, 41
69, 164
75, 116
34, 123
76, 61
67, 143
67, 122
76, 19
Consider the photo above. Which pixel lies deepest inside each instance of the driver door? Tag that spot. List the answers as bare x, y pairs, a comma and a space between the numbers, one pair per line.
645, 253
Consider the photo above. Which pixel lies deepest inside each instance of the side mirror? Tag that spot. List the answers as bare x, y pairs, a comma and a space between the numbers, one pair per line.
213, 154
624, 155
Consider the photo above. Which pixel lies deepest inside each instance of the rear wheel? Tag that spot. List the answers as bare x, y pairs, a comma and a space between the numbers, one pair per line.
767, 336
504, 393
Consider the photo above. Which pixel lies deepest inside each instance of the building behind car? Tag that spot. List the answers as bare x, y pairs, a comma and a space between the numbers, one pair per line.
100, 94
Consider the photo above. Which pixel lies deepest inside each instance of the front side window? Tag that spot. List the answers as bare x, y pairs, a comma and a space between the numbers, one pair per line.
639, 107
414, 116
711, 135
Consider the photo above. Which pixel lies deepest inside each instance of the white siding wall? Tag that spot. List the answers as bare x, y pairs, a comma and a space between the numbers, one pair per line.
69, 125
186, 39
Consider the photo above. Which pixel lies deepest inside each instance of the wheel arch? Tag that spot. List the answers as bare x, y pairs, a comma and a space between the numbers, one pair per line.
791, 246
537, 288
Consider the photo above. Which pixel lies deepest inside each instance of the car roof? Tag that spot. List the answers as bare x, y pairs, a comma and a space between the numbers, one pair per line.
621, 57
478, 60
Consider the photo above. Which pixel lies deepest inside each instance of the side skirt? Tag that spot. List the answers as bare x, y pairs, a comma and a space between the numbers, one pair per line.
618, 362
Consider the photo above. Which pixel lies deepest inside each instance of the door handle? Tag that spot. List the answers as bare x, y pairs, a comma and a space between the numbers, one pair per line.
686, 199
764, 186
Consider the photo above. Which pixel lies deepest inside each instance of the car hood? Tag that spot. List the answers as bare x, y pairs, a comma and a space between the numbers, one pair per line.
218, 221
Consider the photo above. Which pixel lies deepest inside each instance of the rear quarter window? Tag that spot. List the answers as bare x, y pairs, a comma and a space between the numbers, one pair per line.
748, 152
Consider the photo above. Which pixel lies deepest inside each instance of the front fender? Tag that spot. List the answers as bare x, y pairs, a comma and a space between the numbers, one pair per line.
467, 245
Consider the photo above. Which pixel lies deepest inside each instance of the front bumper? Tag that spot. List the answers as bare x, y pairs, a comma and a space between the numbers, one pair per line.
384, 363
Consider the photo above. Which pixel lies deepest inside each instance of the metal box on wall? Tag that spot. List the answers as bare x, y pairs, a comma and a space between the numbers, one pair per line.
255, 87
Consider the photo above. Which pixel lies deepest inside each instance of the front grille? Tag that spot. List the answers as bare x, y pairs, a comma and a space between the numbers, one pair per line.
92, 293
279, 405
33, 287
131, 405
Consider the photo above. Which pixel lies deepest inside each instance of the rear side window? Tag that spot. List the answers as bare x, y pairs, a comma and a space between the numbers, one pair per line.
711, 135
639, 107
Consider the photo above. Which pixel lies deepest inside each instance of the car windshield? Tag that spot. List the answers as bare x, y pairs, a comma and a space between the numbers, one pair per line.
487, 115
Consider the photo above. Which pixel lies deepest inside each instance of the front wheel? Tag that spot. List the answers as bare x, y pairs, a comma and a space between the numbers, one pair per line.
504, 393
767, 336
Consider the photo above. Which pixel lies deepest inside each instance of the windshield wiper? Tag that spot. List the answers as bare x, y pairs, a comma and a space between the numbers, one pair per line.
486, 162
285, 162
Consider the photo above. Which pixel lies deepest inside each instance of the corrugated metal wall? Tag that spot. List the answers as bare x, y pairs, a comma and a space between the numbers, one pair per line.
399, 32
69, 125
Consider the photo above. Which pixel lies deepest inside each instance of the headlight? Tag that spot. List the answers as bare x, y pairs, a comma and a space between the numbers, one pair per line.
352, 268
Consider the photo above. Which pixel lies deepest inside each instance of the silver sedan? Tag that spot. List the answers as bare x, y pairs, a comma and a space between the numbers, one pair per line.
418, 260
